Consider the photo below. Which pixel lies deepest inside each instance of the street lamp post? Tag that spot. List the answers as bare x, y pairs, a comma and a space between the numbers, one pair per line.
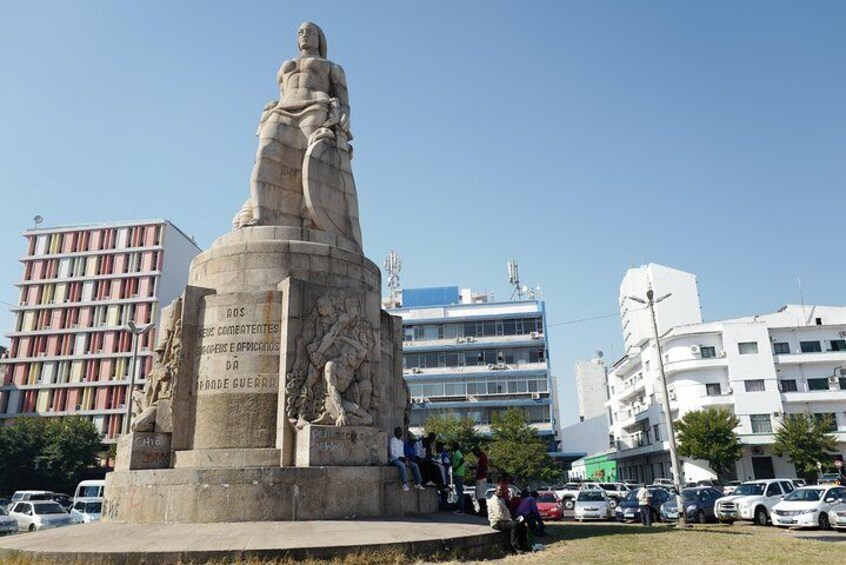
650, 302
136, 332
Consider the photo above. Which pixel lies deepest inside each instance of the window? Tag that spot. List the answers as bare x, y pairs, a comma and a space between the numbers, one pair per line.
773, 490
655, 433
837, 345
761, 424
708, 351
842, 382
747, 347
828, 420
713, 389
818, 384
756, 385
788, 385
781, 347
810, 346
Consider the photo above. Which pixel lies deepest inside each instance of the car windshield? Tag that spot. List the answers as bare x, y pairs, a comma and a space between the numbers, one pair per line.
546, 497
89, 491
689, 495
51, 508
591, 496
749, 489
805, 494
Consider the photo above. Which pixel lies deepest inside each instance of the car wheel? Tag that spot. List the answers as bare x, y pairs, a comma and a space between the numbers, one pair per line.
569, 504
612, 503
700, 517
32, 527
761, 516
823, 521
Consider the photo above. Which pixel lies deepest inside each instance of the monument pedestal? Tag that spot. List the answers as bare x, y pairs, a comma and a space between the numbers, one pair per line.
143, 450
345, 446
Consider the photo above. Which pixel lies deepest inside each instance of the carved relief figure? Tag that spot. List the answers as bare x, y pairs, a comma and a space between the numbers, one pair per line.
331, 381
302, 176
161, 378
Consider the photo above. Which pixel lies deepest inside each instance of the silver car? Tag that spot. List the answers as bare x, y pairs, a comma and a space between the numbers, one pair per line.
39, 515
7, 524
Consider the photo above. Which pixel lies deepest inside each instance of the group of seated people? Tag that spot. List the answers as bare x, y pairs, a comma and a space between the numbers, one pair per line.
516, 515
427, 459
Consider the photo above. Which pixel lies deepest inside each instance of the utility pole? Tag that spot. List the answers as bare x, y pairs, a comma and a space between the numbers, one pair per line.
136, 332
650, 302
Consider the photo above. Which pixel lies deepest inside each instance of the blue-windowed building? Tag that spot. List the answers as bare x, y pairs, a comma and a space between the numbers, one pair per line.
467, 356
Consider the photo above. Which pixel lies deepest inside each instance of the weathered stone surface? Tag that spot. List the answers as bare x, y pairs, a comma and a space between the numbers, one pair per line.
143, 450
344, 446
261, 494
216, 458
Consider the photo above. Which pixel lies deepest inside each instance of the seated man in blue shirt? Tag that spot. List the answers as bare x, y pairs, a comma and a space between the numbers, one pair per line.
528, 509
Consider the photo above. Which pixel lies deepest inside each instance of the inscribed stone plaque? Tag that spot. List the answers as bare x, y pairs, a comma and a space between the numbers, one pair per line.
319, 446
143, 450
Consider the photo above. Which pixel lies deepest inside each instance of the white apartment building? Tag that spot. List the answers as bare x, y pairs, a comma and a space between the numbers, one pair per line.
592, 388
762, 368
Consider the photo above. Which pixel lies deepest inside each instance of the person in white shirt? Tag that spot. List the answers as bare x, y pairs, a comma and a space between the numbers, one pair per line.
644, 498
397, 457
500, 519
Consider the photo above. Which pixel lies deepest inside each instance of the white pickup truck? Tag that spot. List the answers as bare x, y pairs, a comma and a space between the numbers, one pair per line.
615, 491
753, 500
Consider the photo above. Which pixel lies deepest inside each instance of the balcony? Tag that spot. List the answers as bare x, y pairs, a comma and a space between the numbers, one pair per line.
681, 365
461, 343
719, 400
803, 358
835, 395
417, 373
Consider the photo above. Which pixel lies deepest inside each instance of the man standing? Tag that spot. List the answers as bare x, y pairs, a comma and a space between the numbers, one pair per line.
644, 498
396, 451
459, 471
500, 519
481, 477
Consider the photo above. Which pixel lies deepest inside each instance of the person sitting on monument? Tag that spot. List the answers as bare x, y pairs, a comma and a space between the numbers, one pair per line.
397, 458
500, 519
434, 470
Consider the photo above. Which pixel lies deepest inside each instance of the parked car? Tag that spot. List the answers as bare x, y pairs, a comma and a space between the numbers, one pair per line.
549, 505
829, 479
513, 491
667, 483
8, 525
34, 515
570, 491
628, 508
698, 504
615, 491
799, 483
808, 506
592, 504
89, 490
837, 515
753, 500
20, 495
730, 486
83, 511
62, 500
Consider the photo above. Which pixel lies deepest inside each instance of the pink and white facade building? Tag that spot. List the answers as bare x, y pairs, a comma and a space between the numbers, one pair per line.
70, 350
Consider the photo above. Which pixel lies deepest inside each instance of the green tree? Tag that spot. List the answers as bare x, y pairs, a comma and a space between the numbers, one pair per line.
72, 446
806, 442
41, 453
709, 435
517, 449
451, 429
20, 445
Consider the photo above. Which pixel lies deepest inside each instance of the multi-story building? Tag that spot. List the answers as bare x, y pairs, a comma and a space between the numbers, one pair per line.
592, 388
70, 351
471, 358
762, 368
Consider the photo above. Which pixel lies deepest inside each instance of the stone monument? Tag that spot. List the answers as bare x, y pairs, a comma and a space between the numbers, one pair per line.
278, 378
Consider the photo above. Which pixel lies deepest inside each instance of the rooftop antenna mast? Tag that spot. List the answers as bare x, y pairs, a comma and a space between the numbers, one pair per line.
393, 266
514, 280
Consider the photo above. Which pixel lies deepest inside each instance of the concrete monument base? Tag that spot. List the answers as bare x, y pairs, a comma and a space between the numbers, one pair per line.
255, 494
101, 543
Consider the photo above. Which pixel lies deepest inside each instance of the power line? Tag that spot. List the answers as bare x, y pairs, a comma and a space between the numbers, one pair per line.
580, 320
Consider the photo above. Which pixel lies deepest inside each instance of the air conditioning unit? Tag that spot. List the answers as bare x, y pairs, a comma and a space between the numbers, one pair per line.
470, 339
843, 333
459, 340
694, 349
416, 370
78, 407
536, 396
42, 354
535, 335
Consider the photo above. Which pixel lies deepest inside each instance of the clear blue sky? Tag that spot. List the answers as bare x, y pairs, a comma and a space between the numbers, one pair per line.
580, 138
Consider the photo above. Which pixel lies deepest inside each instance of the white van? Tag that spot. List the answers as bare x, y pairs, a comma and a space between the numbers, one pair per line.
89, 491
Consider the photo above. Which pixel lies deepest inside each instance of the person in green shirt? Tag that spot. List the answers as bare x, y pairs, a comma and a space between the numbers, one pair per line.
459, 471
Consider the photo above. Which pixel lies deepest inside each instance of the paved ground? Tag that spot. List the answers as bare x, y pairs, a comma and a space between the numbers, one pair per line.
107, 542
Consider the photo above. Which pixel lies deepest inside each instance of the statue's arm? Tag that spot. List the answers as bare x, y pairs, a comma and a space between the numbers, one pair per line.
339, 90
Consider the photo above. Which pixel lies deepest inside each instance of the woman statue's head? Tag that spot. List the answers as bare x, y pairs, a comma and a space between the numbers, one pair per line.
311, 37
